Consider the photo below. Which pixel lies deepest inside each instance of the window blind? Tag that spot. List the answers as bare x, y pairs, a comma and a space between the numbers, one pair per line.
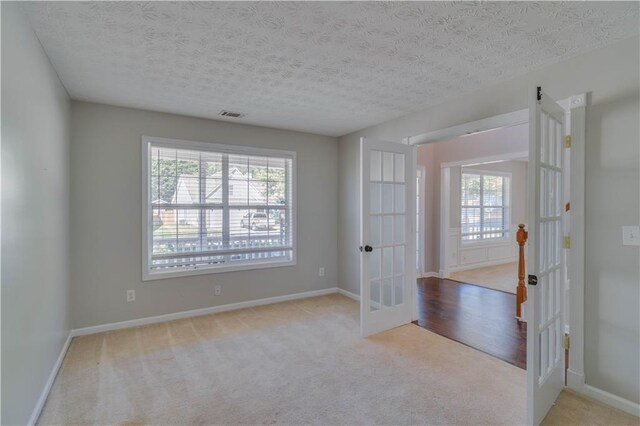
483, 206
216, 207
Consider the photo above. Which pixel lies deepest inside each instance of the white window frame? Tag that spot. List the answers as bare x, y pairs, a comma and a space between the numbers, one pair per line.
147, 211
506, 207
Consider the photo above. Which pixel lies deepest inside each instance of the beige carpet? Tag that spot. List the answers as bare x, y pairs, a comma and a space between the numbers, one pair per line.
499, 277
299, 362
573, 409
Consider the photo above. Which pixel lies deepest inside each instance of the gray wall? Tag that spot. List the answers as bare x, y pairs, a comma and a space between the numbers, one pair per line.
35, 208
106, 236
612, 283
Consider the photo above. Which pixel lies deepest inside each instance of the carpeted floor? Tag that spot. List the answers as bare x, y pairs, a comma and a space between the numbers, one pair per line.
574, 409
299, 362
499, 277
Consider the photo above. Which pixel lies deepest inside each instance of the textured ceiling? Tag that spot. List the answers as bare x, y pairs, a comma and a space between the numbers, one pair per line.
328, 68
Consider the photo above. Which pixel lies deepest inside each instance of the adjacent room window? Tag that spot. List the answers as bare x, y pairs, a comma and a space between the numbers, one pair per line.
214, 208
484, 205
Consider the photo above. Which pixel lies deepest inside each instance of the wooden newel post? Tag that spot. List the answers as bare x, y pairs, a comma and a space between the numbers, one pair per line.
521, 293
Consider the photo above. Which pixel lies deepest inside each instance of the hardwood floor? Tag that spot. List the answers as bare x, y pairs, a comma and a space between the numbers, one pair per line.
499, 277
475, 316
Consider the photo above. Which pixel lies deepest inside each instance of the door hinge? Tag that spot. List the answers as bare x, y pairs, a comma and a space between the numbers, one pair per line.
566, 242
567, 141
566, 342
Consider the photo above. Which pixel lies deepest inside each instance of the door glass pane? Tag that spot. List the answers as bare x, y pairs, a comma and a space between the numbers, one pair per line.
387, 198
387, 293
375, 223
559, 145
375, 168
550, 138
374, 265
399, 198
399, 167
387, 262
543, 138
375, 198
399, 228
374, 302
398, 287
387, 230
398, 260
387, 166
543, 197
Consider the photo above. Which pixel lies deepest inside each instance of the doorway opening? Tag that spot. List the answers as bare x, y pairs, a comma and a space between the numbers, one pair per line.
473, 205
546, 309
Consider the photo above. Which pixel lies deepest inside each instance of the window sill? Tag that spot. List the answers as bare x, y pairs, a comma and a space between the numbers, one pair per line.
153, 276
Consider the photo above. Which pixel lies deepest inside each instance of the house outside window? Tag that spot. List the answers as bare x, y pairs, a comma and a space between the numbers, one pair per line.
216, 208
484, 206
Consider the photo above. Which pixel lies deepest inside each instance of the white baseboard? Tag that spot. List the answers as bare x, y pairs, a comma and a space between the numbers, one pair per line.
197, 312
612, 400
349, 294
575, 380
49, 383
429, 275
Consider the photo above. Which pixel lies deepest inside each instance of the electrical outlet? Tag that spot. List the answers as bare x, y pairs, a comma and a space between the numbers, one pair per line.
217, 290
321, 271
631, 235
131, 295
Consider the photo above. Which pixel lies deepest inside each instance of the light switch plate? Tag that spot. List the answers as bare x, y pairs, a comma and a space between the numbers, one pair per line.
631, 235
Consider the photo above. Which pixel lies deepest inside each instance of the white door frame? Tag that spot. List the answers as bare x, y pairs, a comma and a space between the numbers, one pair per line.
576, 107
422, 171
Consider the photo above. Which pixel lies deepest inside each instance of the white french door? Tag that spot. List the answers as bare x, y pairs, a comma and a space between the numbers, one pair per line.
388, 216
545, 352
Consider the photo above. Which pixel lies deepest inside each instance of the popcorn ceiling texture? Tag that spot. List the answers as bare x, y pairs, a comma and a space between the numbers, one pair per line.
322, 67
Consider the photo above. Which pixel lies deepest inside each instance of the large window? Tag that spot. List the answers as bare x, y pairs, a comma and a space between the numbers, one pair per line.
484, 205
213, 208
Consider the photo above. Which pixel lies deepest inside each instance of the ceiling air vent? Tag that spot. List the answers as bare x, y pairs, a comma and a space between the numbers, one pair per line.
231, 114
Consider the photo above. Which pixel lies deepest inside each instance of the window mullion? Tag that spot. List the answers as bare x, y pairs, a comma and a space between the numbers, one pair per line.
482, 207
504, 220
288, 205
202, 201
225, 204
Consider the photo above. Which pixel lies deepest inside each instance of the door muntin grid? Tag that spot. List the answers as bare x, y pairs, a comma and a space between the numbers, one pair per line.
550, 250
387, 229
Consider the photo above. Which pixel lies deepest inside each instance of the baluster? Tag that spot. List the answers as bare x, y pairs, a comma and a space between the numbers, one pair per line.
521, 292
